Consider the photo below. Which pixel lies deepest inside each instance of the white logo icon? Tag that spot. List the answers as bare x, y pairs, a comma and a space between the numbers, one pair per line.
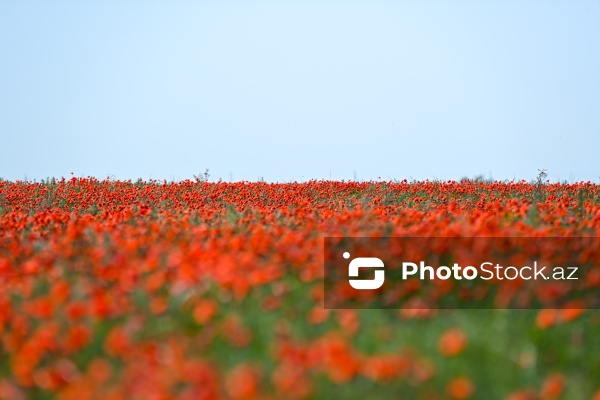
365, 262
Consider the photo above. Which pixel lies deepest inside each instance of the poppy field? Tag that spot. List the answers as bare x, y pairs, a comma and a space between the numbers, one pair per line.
214, 290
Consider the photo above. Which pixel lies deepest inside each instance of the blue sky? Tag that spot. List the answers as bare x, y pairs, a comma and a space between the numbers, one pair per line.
298, 90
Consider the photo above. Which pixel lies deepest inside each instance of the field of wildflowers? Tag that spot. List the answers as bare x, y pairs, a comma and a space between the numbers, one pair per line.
214, 290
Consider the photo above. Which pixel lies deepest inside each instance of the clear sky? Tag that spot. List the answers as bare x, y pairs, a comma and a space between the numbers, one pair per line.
295, 90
